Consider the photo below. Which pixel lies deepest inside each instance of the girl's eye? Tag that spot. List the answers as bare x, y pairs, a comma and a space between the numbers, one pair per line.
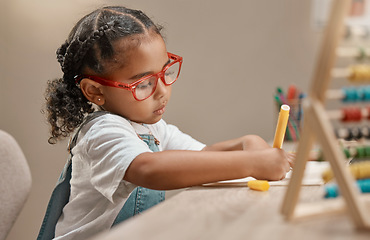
146, 84
169, 73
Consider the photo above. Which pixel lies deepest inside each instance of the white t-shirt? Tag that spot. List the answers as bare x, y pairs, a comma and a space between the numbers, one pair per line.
106, 146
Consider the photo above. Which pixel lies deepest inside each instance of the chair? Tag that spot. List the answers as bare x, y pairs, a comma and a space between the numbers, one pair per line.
15, 182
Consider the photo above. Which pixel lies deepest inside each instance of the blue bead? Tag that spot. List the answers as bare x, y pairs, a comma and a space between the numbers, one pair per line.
331, 191
351, 94
366, 93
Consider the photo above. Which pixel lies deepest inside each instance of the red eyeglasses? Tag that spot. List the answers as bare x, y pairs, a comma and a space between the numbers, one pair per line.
145, 86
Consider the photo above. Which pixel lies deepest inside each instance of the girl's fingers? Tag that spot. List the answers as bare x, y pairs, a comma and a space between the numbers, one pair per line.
291, 158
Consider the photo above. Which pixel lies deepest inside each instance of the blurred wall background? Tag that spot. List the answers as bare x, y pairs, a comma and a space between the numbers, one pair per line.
235, 53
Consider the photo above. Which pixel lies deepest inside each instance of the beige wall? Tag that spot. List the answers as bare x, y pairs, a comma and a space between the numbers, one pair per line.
235, 53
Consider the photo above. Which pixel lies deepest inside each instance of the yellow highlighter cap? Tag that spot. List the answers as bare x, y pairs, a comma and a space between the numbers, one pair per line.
259, 185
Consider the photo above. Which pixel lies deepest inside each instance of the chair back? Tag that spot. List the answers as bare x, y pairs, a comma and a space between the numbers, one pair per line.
15, 182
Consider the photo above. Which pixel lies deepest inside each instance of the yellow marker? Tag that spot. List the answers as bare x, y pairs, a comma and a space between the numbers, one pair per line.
281, 126
263, 185
259, 185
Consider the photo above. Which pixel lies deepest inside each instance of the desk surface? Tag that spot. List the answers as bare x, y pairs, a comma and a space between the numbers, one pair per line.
231, 212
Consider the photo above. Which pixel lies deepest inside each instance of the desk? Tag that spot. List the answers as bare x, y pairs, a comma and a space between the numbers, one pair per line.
230, 212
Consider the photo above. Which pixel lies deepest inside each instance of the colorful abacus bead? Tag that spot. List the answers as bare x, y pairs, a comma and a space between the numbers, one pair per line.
359, 73
351, 94
365, 131
332, 191
351, 114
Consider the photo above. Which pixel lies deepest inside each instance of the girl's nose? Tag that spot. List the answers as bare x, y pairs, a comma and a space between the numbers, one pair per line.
161, 89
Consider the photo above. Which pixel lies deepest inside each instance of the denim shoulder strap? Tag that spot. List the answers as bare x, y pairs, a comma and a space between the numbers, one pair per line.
141, 198
60, 195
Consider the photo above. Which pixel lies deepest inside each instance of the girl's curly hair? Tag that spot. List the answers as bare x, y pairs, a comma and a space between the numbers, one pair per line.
89, 45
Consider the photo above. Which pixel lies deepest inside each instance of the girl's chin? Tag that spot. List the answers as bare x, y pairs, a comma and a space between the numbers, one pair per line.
149, 121
155, 120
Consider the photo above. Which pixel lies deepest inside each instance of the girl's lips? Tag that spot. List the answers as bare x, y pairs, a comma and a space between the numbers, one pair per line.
160, 111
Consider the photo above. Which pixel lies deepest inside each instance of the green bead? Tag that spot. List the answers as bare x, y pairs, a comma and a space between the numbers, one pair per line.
360, 152
367, 151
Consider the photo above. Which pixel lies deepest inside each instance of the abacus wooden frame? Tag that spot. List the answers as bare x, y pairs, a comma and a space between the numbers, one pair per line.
317, 126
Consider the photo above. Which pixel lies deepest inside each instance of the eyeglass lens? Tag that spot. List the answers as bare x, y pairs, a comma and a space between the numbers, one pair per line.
147, 87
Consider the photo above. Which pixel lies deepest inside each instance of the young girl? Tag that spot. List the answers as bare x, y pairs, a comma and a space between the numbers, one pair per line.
117, 77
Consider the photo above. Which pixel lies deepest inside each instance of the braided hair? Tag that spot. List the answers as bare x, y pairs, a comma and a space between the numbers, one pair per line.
89, 46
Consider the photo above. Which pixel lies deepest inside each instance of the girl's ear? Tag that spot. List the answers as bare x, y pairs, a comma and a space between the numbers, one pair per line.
91, 90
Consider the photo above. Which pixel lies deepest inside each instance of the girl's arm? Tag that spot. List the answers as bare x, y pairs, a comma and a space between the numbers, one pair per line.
178, 169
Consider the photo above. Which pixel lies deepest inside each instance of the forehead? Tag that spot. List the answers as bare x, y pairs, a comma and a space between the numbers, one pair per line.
139, 48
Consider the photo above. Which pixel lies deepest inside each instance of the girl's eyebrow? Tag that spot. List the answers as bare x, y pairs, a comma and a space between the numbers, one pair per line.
140, 75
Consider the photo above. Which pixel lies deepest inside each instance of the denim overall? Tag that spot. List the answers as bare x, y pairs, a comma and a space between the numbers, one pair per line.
139, 200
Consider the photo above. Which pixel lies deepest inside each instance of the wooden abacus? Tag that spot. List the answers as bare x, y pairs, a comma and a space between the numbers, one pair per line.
317, 126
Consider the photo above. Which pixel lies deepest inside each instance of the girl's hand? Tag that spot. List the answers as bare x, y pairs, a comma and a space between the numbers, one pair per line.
271, 164
253, 142
268, 163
